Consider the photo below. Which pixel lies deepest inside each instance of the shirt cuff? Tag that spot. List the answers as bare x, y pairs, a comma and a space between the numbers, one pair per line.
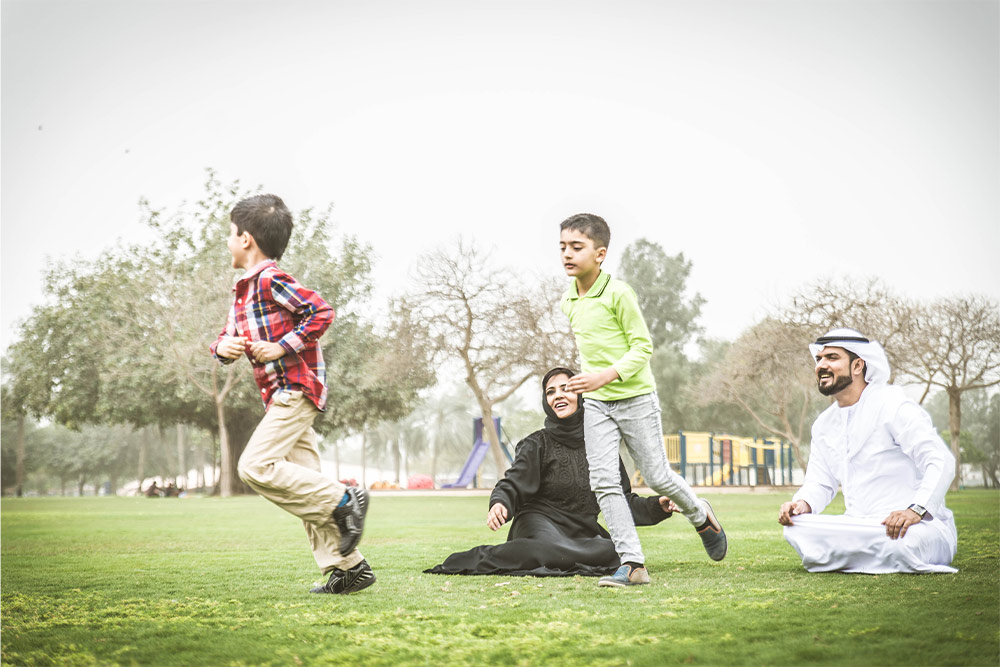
623, 374
924, 499
815, 505
292, 343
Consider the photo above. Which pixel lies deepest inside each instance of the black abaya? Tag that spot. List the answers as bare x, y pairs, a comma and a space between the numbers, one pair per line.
554, 531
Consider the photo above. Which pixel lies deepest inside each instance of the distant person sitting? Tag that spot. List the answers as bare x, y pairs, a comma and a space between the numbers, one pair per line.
546, 495
153, 491
881, 448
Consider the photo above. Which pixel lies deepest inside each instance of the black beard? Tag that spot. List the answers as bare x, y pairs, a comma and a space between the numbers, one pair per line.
839, 384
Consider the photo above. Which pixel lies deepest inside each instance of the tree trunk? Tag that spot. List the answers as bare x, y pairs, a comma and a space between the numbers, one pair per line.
181, 480
396, 456
955, 425
435, 447
238, 431
491, 435
199, 462
19, 472
364, 459
62, 485
113, 484
225, 465
215, 461
140, 472
79, 485
336, 457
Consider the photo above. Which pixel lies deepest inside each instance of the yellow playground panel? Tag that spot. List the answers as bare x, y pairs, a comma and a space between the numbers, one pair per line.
714, 459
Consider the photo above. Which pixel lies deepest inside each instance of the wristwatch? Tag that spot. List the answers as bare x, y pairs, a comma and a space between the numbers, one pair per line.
920, 510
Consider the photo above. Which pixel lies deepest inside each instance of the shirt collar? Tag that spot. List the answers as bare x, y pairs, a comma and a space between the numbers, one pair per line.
252, 271
596, 290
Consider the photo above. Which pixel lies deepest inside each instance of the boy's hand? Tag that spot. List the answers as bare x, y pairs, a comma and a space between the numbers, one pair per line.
264, 351
585, 382
231, 347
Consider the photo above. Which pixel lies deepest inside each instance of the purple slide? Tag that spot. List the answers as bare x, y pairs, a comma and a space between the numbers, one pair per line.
471, 466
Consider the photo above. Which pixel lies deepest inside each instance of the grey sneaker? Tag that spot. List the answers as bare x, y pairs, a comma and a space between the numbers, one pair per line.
350, 519
712, 536
624, 576
342, 582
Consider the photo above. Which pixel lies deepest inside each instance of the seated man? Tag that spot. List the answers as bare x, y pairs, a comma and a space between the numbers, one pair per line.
881, 448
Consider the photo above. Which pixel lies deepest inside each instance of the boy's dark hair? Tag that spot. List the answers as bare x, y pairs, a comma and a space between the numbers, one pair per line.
592, 226
267, 219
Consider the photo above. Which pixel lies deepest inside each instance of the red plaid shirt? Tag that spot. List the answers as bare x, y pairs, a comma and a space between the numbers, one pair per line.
271, 305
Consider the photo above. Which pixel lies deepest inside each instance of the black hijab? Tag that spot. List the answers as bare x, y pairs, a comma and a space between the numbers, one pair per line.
567, 432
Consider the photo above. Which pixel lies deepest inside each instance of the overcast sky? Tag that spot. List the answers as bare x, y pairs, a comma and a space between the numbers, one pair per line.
770, 142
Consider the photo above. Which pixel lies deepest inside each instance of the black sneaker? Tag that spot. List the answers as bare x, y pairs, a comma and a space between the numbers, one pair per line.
350, 518
342, 582
712, 536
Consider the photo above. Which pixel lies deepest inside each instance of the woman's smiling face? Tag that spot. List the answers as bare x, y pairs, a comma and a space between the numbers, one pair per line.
563, 403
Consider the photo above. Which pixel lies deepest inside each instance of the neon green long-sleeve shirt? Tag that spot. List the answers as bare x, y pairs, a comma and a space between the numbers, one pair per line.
610, 331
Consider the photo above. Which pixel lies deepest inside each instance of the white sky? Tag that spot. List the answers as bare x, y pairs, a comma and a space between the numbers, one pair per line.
772, 142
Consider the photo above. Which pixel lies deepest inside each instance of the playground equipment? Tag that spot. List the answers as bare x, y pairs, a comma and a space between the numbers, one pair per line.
480, 446
707, 459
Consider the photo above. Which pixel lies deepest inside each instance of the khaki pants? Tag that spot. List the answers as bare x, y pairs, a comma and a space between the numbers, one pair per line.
281, 463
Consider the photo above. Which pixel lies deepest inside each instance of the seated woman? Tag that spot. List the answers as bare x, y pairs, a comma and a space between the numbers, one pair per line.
546, 492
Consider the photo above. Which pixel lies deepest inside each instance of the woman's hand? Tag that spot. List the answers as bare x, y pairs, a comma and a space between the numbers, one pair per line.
497, 516
668, 505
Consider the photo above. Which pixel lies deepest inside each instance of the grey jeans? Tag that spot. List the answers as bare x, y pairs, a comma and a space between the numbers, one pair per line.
635, 420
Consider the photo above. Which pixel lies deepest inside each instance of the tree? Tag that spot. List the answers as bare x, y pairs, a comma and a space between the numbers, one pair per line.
448, 421
660, 281
866, 305
124, 339
952, 343
19, 446
989, 452
955, 345
500, 331
767, 372
683, 406
380, 376
13, 410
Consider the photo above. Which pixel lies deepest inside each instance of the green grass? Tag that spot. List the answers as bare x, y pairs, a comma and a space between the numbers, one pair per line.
224, 582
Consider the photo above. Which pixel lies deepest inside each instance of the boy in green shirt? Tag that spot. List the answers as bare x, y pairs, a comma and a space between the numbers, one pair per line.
620, 398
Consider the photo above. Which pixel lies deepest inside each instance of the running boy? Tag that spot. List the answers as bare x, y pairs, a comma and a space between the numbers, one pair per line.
277, 323
620, 397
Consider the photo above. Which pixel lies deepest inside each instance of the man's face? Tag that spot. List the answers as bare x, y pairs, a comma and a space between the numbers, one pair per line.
579, 256
833, 370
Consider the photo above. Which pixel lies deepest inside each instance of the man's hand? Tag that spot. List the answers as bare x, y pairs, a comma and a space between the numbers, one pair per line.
585, 382
497, 516
264, 351
231, 347
668, 505
898, 522
790, 509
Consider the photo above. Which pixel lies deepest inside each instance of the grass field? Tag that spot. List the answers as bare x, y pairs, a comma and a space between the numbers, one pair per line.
207, 581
